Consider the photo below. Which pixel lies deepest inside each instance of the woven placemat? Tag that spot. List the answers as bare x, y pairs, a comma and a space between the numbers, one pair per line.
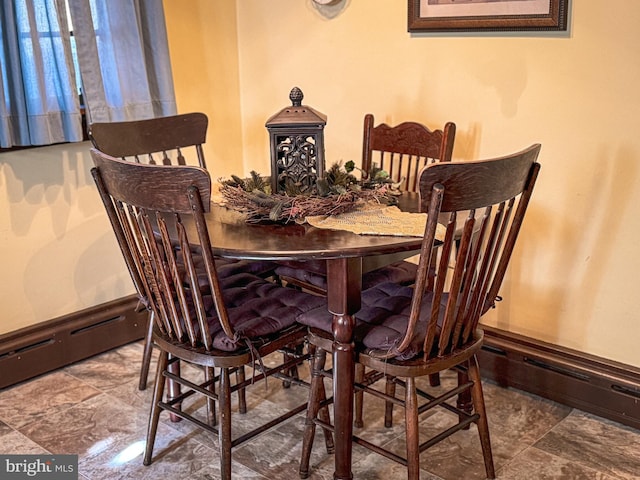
377, 221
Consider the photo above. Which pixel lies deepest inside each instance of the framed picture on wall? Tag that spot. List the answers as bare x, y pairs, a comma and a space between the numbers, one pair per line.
487, 15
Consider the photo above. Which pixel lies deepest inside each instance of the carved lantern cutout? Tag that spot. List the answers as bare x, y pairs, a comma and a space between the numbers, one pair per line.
296, 136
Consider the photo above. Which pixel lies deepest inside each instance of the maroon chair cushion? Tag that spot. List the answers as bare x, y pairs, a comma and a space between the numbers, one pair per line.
256, 308
403, 273
227, 267
382, 321
314, 273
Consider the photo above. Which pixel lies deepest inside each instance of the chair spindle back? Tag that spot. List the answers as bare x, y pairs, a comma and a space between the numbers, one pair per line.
148, 206
405, 149
493, 196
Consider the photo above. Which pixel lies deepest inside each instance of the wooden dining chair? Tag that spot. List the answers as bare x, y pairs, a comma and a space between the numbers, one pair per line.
158, 213
169, 140
404, 333
402, 151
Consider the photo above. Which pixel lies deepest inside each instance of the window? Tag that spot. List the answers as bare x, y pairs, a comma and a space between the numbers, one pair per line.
39, 98
74, 53
118, 47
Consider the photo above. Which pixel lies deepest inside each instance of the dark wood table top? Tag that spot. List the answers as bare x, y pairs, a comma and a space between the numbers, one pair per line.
304, 242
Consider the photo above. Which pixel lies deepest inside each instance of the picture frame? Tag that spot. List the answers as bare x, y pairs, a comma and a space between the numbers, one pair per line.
487, 15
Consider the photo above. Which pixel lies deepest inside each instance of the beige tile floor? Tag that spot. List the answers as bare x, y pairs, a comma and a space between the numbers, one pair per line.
95, 410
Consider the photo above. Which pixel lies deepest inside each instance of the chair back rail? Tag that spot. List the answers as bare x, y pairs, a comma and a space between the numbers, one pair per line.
405, 149
161, 140
493, 196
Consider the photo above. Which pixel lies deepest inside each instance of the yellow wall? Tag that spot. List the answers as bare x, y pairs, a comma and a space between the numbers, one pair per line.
572, 280
204, 53
58, 254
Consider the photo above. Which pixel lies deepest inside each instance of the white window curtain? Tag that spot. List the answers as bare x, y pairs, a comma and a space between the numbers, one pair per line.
38, 96
123, 56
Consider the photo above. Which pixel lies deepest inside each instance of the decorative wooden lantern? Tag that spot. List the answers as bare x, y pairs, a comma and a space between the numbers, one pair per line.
296, 135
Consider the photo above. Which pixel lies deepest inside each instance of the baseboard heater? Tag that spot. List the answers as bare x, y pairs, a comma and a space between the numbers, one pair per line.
589, 383
592, 384
41, 348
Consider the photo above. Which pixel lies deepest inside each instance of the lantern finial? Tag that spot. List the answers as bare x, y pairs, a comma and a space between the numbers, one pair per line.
296, 96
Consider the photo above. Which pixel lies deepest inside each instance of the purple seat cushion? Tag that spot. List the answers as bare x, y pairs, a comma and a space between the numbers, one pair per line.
382, 321
314, 273
256, 308
403, 273
227, 267
230, 266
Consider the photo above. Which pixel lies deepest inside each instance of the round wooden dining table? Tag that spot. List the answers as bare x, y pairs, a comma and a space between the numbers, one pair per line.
347, 255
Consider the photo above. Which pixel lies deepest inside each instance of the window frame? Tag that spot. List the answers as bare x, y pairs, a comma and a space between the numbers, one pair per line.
76, 74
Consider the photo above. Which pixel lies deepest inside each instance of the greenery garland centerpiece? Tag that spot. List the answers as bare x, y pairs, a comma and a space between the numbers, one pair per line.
339, 191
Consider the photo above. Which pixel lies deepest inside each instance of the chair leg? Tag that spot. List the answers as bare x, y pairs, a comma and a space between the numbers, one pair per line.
242, 397
209, 374
316, 394
174, 389
146, 354
483, 424
285, 358
464, 401
389, 389
411, 420
434, 379
324, 415
224, 398
358, 397
154, 416
293, 371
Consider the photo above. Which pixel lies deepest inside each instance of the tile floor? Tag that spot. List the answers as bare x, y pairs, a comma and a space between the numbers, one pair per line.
94, 409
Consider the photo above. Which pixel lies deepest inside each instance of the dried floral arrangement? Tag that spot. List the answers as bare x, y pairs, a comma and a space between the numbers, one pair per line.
339, 191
